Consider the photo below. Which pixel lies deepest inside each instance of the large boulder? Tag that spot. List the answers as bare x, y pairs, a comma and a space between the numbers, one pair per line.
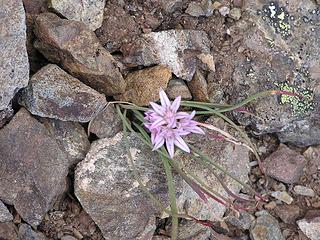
78, 50
106, 189
87, 11
278, 49
53, 93
14, 68
33, 167
175, 49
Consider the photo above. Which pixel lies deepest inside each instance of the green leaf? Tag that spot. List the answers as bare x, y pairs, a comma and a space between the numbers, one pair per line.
172, 197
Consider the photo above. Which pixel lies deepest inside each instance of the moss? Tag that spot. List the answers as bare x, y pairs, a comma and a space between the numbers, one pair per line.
301, 104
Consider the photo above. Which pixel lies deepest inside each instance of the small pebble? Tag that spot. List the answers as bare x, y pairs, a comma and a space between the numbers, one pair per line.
68, 237
282, 196
235, 13
224, 11
270, 206
304, 191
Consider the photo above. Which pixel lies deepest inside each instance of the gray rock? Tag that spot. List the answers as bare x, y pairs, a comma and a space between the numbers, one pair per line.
312, 154
107, 123
121, 200
235, 13
26, 233
68, 237
194, 231
70, 136
304, 191
234, 158
310, 227
190, 230
5, 115
34, 169
203, 8
282, 196
14, 68
243, 221
303, 132
224, 10
177, 87
176, 49
108, 192
170, 6
285, 165
55, 94
78, 51
265, 227
5, 215
87, 11
281, 37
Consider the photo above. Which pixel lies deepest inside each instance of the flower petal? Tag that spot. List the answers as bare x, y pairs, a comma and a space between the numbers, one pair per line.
160, 121
165, 102
180, 143
197, 130
181, 115
176, 104
158, 143
153, 136
170, 146
157, 108
193, 114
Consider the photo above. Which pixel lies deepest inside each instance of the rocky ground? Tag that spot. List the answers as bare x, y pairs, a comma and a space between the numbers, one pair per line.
64, 171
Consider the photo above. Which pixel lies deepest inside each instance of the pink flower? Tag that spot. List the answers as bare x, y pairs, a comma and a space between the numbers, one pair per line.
167, 125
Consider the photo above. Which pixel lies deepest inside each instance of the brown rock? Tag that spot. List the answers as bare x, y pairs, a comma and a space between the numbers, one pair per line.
8, 231
143, 85
36, 59
107, 123
78, 50
55, 94
199, 88
285, 165
117, 27
35, 6
288, 213
177, 87
33, 168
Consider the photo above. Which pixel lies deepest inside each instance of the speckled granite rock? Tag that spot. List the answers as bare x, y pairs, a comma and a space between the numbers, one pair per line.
87, 11
14, 68
53, 93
